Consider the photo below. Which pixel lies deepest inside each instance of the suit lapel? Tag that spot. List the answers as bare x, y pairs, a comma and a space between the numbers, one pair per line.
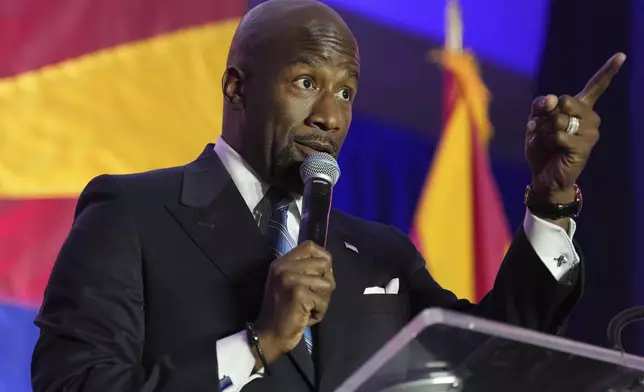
213, 213
215, 216
303, 362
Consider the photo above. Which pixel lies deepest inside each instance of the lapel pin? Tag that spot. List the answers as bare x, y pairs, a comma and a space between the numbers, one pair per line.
351, 247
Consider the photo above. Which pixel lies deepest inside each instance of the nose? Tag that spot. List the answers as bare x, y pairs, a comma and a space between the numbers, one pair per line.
325, 113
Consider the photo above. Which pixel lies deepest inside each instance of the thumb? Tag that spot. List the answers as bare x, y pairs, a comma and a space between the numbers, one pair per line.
543, 105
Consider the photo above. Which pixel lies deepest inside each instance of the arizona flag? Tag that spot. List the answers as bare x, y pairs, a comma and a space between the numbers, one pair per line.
460, 225
92, 87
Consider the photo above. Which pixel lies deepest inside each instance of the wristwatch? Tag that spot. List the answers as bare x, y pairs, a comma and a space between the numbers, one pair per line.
553, 211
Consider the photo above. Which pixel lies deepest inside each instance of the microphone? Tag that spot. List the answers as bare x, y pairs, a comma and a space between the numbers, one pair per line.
319, 173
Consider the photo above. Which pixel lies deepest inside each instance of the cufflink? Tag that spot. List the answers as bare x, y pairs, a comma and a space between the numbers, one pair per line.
562, 259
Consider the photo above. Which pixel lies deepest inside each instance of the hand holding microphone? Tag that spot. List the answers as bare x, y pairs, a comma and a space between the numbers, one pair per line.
300, 283
297, 294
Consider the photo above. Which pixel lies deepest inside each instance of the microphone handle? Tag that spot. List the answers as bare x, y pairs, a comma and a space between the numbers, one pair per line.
316, 206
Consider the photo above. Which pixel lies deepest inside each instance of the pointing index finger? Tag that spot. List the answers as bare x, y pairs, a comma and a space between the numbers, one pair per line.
601, 80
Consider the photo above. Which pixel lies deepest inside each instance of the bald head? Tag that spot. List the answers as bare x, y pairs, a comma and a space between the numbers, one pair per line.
292, 75
273, 22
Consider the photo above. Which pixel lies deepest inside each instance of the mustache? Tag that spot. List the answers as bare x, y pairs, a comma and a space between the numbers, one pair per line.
314, 137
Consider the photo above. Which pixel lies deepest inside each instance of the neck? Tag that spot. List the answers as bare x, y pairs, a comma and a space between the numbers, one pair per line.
252, 153
256, 156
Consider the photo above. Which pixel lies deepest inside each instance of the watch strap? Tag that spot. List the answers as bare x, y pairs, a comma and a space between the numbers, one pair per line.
553, 211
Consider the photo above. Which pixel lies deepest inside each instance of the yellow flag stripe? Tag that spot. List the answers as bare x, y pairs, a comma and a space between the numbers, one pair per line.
444, 221
139, 106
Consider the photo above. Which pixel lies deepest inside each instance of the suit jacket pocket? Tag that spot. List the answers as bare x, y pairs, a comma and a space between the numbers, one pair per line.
381, 303
376, 318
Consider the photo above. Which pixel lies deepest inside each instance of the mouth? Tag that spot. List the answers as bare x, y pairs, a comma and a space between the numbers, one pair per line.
317, 147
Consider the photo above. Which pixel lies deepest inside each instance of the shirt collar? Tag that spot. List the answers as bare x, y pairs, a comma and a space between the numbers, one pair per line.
251, 188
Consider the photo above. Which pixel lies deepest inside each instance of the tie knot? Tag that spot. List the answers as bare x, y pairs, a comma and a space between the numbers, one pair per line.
279, 200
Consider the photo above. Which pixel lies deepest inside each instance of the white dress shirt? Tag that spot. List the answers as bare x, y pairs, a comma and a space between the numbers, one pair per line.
234, 357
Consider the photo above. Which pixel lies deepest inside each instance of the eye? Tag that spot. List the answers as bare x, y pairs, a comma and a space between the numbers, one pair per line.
344, 94
305, 83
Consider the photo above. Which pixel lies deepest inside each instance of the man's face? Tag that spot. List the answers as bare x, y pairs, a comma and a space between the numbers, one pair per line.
307, 98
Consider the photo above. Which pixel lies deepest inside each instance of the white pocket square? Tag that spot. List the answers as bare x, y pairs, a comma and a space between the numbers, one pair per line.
392, 288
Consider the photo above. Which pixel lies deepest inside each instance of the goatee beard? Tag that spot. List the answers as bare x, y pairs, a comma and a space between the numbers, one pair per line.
286, 170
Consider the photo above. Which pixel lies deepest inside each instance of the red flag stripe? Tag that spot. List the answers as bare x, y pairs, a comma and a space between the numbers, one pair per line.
491, 233
36, 33
31, 232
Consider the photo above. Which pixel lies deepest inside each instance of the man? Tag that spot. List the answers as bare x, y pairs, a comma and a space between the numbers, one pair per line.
177, 279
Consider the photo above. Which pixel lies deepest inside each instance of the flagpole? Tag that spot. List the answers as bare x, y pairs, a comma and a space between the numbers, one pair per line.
453, 27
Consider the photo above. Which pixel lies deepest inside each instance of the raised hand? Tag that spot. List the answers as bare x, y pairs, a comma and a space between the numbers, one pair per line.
558, 147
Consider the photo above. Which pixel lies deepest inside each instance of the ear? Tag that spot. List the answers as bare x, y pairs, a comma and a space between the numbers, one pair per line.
232, 85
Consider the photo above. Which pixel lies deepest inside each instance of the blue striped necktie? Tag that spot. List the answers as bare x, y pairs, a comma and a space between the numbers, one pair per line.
280, 239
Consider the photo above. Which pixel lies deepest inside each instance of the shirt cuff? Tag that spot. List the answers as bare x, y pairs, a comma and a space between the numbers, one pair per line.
235, 362
552, 244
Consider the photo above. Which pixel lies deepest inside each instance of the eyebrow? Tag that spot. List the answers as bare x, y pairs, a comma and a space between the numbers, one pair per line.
319, 62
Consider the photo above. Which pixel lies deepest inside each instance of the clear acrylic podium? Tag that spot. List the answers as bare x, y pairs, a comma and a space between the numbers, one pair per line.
442, 351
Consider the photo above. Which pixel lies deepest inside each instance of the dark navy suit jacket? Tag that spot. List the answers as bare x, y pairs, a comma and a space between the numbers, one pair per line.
160, 265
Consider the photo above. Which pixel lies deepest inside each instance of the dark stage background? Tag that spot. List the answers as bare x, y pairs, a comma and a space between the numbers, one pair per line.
581, 35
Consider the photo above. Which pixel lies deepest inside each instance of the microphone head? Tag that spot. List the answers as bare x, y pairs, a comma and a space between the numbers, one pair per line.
320, 165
